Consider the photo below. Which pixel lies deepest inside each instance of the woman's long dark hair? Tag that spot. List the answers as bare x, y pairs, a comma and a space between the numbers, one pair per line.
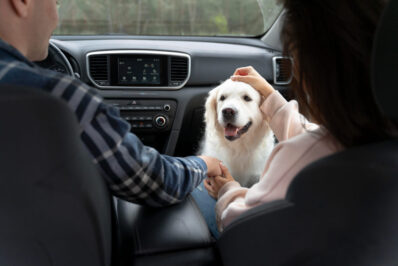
331, 44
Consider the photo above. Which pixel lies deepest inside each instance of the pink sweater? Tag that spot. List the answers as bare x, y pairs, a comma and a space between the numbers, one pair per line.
300, 143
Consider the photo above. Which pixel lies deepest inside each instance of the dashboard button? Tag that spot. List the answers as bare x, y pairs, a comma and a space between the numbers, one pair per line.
167, 107
161, 121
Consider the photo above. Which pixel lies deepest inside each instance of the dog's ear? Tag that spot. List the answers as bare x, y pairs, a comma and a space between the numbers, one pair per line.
211, 108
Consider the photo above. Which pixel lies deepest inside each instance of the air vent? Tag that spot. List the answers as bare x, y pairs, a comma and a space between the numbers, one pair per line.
282, 70
178, 70
99, 69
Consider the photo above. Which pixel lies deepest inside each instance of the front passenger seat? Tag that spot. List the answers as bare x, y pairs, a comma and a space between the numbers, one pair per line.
340, 210
54, 206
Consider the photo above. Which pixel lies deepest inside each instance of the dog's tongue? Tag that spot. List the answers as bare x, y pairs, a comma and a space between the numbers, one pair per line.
231, 131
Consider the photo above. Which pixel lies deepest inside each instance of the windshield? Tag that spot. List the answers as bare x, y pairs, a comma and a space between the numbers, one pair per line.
167, 17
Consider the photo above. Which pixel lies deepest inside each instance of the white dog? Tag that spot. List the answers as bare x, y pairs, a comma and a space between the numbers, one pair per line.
236, 132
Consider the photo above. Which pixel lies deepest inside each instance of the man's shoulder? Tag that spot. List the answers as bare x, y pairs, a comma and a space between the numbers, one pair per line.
19, 73
14, 71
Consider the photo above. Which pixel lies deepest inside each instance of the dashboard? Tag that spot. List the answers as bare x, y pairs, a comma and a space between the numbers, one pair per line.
138, 69
159, 84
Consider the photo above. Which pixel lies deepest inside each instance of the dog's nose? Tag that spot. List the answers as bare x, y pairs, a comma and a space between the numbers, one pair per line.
228, 113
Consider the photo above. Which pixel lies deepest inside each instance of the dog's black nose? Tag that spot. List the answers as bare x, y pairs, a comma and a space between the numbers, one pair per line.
228, 113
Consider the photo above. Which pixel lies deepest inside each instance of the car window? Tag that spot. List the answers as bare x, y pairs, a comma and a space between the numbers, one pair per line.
167, 17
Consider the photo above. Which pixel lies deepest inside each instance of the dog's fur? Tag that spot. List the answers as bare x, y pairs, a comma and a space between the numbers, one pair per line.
244, 153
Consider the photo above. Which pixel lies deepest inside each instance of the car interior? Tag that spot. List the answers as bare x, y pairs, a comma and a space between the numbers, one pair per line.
57, 210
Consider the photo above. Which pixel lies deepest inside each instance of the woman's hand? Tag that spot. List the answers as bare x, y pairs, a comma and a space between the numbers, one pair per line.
213, 165
250, 76
214, 184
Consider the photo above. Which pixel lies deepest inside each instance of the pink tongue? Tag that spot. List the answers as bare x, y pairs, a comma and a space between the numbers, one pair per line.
231, 131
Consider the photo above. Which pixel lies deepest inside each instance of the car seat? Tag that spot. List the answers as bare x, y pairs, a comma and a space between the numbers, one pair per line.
55, 207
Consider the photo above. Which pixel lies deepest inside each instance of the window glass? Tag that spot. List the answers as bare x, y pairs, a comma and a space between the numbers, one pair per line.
167, 17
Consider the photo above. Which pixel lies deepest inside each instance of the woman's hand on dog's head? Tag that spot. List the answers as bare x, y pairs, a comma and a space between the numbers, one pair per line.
250, 76
215, 183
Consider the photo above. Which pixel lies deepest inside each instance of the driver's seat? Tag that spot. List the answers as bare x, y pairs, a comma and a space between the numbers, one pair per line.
55, 208
340, 210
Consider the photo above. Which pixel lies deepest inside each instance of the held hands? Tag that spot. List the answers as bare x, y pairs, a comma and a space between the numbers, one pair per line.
213, 165
250, 76
215, 183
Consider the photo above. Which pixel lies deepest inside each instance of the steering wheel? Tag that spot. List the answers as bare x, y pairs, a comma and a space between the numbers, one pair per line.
56, 61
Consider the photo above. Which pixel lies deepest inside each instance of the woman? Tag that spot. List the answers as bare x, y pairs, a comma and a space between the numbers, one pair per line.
330, 42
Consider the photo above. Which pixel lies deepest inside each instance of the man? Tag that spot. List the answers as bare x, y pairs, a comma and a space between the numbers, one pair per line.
135, 172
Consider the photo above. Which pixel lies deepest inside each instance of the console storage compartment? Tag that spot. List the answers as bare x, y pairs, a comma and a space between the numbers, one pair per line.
175, 235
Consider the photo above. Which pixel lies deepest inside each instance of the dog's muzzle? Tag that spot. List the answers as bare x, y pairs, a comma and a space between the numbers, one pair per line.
229, 114
232, 133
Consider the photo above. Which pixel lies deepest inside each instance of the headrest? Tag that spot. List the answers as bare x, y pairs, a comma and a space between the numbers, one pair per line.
385, 61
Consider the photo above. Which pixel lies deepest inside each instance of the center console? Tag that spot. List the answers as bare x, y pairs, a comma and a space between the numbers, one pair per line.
150, 120
168, 236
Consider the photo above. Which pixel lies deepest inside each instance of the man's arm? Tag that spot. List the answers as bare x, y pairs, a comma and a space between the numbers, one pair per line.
133, 171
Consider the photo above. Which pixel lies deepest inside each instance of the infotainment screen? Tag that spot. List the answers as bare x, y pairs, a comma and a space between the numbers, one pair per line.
139, 70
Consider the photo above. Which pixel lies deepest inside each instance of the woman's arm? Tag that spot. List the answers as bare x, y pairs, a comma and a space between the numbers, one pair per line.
285, 161
283, 117
250, 76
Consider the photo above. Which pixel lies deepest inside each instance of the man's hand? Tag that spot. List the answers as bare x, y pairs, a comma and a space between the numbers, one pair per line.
214, 184
250, 76
213, 165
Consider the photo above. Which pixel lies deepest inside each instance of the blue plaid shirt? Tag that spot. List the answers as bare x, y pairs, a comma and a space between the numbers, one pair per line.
133, 171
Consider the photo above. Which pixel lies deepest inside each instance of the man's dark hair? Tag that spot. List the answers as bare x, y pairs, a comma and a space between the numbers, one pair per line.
331, 45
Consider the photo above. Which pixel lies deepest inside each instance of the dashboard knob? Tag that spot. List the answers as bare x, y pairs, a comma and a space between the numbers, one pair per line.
160, 121
167, 107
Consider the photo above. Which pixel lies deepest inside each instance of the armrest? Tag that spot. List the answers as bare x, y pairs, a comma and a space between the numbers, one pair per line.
145, 230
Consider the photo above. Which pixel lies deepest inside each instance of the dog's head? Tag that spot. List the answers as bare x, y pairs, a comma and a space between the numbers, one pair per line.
233, 109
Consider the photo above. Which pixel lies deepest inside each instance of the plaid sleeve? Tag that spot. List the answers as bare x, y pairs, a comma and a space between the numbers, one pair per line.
133, 171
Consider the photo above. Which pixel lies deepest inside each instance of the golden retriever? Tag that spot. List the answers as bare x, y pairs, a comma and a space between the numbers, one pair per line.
236, 131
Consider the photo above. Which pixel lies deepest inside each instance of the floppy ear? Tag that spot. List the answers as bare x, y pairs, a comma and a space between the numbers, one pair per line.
211, 108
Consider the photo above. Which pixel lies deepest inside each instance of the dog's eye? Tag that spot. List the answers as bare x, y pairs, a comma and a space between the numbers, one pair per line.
222, 98
247, 98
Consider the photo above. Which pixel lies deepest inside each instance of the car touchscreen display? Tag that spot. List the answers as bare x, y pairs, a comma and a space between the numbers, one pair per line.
139, 70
